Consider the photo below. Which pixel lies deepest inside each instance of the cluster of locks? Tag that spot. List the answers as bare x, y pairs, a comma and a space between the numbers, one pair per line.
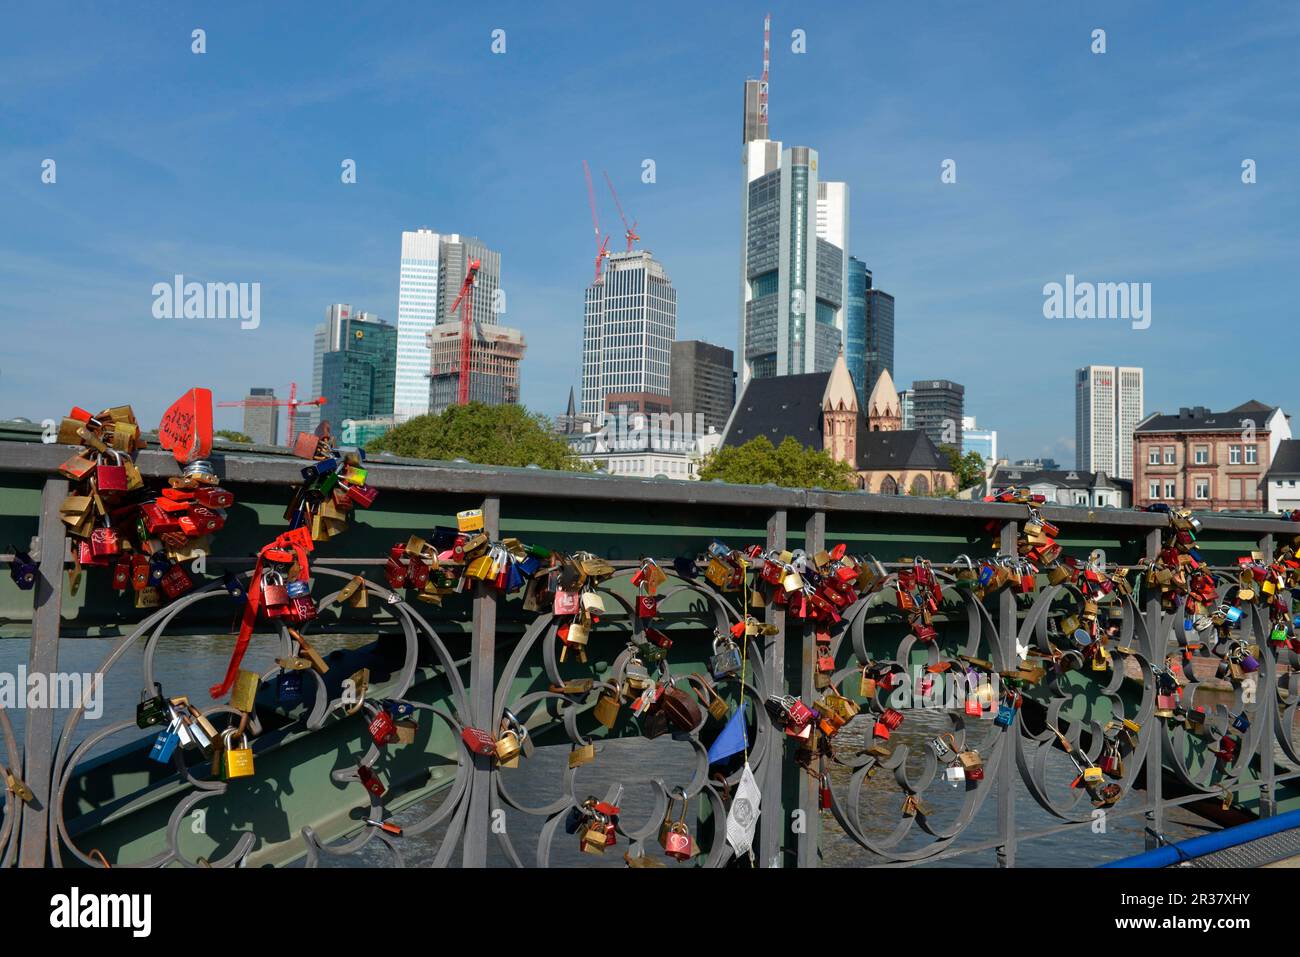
115, 523
452, 557
185, 727
333, 485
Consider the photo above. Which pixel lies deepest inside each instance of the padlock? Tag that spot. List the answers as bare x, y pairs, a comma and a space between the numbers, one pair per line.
581, 754
382, 727
175, 582
507, 747
110, 477
972, 764
238, 761
288, 687
151, 710
370, 780
939, 746
243, 696
469, 520
891, 718
164, 746
478, 741
608, 704
23, 570
726, 659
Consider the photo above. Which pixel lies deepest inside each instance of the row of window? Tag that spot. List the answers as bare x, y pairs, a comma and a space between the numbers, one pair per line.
1238, 489
1237, 455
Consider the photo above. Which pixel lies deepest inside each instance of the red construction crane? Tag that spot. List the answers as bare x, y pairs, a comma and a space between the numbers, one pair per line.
266, 403
628, 231
465, 301
602, 245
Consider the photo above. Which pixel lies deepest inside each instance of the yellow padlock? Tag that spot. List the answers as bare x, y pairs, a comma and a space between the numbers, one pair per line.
239, 761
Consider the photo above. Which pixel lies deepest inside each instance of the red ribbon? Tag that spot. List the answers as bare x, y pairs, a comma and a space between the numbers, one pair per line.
290, 546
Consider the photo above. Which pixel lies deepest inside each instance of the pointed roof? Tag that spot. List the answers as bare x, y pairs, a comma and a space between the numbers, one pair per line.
572, 410
778, 406
884, 396
840, 394
909, 449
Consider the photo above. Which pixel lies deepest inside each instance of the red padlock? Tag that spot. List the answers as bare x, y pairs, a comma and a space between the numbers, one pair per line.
417, 573
370, 781
647, 606
479, 742
122, 575
210, 496
362, 495
110, 477
892, 718
657, 637
176, 582
382, 728
105, 542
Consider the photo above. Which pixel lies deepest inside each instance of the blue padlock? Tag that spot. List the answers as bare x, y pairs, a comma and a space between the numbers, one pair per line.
288, 687
164, 746
529, 566
986, 574
159, 565
1005, 716
1241, 723
298, 588
398, 709
234, 587
22, 570
514, 577
1232, 613
319, 469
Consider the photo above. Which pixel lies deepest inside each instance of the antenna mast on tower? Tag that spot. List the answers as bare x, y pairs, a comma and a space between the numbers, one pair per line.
767, 59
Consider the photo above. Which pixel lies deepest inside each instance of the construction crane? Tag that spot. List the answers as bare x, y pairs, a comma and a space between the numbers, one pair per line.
266, 403
628, 231
464, 300
602, 245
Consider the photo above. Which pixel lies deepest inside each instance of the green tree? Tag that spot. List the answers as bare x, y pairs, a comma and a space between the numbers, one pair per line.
967, 469
231, 436
482, 434
790, 465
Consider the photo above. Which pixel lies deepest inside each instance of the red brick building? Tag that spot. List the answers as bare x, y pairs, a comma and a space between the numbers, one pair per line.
1207, 460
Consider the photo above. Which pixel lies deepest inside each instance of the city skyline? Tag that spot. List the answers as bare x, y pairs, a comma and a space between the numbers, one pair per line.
1061, 169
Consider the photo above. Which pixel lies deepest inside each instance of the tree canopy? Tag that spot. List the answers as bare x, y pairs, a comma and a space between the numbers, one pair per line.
790, 465
482, 434
967, 469
230, 435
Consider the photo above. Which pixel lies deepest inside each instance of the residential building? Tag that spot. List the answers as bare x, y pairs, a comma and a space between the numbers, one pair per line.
632, 442
820, 410
983, 441
1107, 406
1064, 487
939, 407
703, 381
262, 419
629, 324
496, 352
358, 379
1029, 465
1283, 494
1208, 460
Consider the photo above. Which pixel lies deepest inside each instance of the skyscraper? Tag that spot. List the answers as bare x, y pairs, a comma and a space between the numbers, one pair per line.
262, 422
703, 382
495, 354
326, 339
794, 263
433, 269
629, 324
417, 313
1107, 406
879, 354
938, 407
855, 327
906, 407
358, 379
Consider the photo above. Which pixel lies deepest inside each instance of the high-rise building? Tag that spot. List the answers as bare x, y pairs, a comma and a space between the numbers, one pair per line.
703, 382
495, 354
358, 379
326, 339
855, 327
434, 266
262, 422
417, 313
983, 441
879, 354
938, 407
629, 324
907, 408
1107, 407
794, 250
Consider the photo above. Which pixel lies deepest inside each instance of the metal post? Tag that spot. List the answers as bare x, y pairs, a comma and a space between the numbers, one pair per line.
1008, 626
1266, 712
43, 659
772, 818
1155, 748
482, 690
814, 542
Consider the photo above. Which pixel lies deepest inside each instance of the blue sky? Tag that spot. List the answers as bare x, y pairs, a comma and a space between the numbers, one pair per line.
225, 167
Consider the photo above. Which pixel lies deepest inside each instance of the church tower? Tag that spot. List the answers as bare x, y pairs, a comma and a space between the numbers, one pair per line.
840, 414
884, 414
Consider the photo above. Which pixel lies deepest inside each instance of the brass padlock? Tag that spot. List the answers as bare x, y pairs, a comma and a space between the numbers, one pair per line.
582, 754
244, 695
608, 704
238, 760
508, 749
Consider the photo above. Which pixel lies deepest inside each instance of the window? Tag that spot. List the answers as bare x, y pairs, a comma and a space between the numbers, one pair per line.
1249, 489
1153, 490
1171, 455
1202, 455
1251, 455
1202, 488
1153, 455
1234, 455
1234, 489
1169, 490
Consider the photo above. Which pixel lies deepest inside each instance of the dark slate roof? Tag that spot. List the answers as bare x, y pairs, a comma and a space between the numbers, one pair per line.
888, 451
1287, 460
1201, 419
1060, 478
780, 406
